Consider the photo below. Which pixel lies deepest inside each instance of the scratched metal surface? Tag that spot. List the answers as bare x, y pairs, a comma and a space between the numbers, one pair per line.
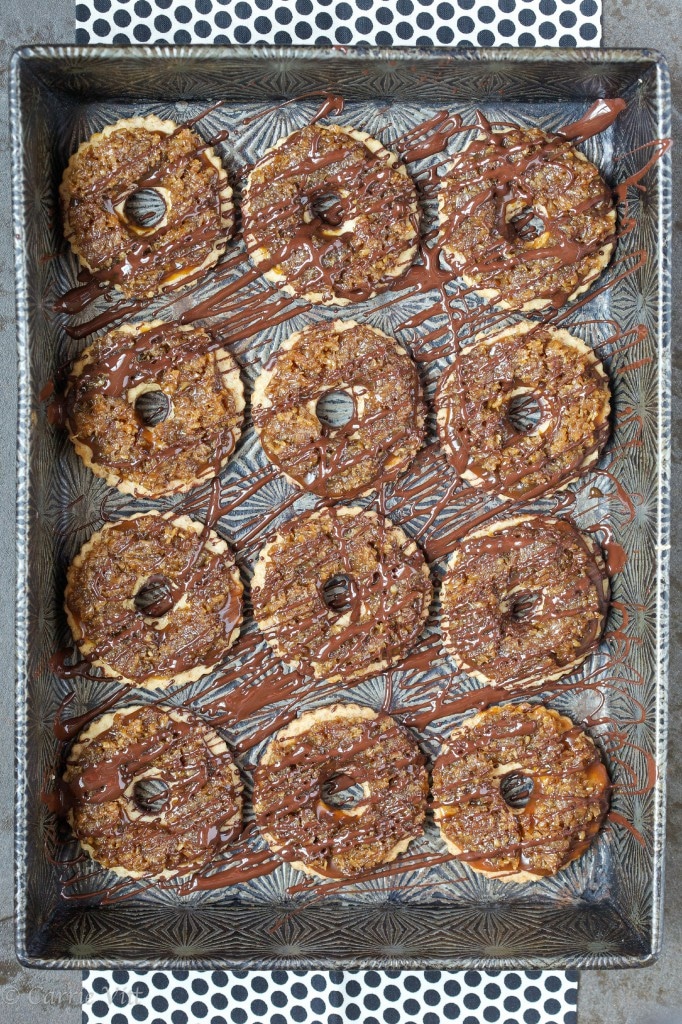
605, 908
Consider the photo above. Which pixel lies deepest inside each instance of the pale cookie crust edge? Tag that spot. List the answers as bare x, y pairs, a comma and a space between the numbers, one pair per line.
392, 467
214, 742
327, 713
504, 876
460, 260
565, 338
231, 378
260, 255
213, 542
269, 628
151, 123
536, 683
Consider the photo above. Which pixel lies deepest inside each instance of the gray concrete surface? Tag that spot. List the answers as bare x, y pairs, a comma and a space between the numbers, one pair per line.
650, 996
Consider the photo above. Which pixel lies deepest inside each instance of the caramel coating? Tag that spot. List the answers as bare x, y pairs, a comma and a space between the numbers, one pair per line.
136, 154
382, 607
526, 217
193, 599
524, 600
330, 215
200, 806
386, 427
528, 363
496, 757
327, 752
203, 390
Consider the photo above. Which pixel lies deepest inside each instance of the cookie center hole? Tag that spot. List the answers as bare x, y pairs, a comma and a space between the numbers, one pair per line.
342, 791
145, 208
524, 413
328, 208
151, 795
153, 407
337, 593
155, 597
527, 225
516, 789
522, 606
335, 409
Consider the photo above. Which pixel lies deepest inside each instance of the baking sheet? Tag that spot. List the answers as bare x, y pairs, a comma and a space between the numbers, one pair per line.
605, 908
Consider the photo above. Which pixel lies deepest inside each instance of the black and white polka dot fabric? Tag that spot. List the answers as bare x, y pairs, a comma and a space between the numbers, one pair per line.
335, 997
327, 22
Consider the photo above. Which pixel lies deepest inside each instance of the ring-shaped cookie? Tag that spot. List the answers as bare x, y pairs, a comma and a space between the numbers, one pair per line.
146, 204
525, 217
154, 408
524, 411
519, 792
341, 790
153, 792
341, 593
330, 215
357, 374
524, 601
154, 599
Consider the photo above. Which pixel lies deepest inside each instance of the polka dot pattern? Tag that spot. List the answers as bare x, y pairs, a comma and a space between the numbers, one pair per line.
305, 997
332, 997
328, 22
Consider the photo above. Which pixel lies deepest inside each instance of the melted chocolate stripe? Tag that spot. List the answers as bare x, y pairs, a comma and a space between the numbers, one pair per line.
424, 277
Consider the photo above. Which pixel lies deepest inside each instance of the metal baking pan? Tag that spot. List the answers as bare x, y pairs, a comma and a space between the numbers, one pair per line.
605, 909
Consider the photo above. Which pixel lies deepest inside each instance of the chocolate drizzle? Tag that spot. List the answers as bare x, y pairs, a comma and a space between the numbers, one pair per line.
254, 688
